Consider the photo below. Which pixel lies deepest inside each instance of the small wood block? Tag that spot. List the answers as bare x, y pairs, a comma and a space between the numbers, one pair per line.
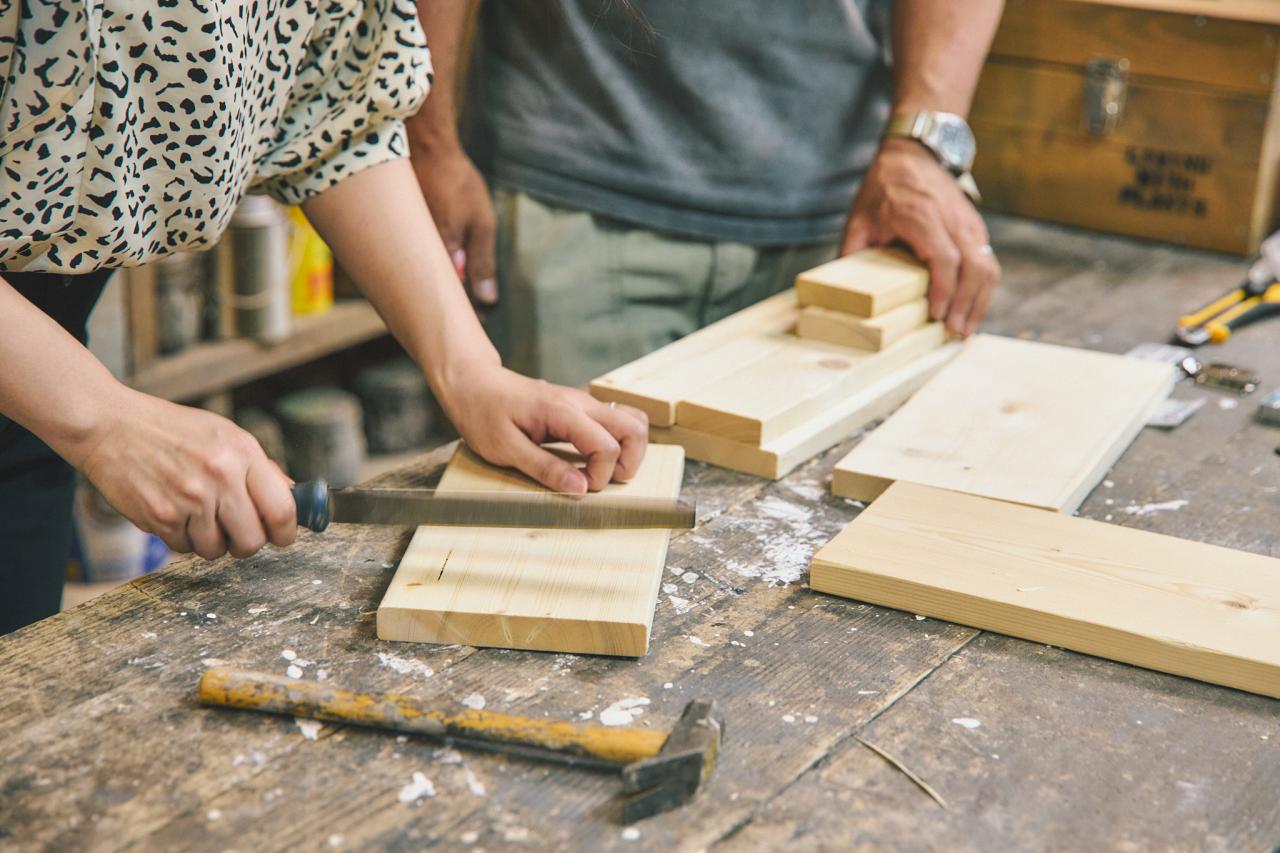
872, 333
1129, 595
778, 457
865, 284
792, 384
1015, 420
655, 383
580, 591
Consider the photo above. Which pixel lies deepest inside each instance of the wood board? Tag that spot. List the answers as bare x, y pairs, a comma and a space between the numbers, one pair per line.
1020, 421
845, 415
655, 383
864, 284
1142, 598
871, 333
580, 591
792, 383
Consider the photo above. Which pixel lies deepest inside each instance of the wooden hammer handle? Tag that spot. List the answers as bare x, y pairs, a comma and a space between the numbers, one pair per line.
278, 694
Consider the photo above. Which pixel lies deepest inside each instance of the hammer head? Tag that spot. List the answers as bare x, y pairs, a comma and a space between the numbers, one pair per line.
673, 776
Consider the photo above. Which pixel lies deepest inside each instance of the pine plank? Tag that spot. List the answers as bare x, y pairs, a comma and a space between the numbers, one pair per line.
1167, 604
872, 333
796, 382
1021, 421
845, 415
864, 284
656, 382
584, 591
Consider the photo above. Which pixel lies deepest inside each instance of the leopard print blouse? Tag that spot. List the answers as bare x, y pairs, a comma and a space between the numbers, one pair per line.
132, 128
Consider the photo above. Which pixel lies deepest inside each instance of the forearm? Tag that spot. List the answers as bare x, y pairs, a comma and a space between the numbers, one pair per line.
939, 47
50, 383
444, 23
380, 230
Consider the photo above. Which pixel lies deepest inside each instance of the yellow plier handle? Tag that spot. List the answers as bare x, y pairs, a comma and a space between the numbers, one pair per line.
1218, 319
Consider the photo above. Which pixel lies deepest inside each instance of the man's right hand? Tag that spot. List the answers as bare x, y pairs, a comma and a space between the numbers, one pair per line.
191, 477
458, 198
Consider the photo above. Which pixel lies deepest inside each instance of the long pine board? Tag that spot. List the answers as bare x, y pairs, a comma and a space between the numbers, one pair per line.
580, 591
864, 284
1020, 421
796, 382
1129, 595
845, 415
655, 383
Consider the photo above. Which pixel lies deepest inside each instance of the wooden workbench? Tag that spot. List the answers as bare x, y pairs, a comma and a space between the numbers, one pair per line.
102, 744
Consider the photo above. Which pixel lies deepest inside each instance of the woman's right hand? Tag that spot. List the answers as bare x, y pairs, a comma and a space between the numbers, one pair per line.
506, 417
191, 477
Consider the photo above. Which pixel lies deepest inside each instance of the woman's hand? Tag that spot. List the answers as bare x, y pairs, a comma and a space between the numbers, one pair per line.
191, 477
504, 416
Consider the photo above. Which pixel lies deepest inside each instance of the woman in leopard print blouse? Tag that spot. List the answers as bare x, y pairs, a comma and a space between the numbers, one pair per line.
130, 130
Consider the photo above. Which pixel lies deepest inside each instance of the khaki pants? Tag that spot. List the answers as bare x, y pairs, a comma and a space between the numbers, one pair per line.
580, 294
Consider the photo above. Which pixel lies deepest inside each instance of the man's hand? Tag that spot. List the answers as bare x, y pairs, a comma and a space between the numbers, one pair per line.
908, 197
459, 201
504, 416
194, 479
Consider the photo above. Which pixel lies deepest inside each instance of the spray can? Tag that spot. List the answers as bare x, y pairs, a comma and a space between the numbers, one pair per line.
312, 265
259, 234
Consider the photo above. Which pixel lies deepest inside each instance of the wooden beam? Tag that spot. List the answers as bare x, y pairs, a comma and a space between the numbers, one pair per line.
864, 284
580, 591
846, 415
793, 383
871, 333
1167, 604
1020, 421
655, 383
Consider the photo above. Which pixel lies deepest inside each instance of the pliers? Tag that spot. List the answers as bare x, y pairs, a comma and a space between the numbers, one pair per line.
1257, 297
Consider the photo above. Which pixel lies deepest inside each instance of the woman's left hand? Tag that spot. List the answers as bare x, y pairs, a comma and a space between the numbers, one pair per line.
504, 417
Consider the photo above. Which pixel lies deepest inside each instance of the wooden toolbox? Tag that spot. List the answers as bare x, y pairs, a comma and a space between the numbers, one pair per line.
1151, 118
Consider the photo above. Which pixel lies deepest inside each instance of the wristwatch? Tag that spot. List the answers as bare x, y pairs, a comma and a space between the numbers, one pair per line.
947, 136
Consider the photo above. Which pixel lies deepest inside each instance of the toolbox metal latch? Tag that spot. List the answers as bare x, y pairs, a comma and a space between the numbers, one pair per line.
1106, 86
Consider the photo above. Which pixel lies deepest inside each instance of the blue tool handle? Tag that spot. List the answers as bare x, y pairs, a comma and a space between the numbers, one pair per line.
312, 500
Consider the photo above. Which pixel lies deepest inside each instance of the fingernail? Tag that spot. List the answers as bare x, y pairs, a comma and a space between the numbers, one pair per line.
487, 291
459, 258
573, 483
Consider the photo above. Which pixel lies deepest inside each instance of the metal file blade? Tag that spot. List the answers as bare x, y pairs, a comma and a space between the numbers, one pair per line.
415, 507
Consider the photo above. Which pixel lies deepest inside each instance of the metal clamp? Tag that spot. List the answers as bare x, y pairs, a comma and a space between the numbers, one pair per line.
1106, 87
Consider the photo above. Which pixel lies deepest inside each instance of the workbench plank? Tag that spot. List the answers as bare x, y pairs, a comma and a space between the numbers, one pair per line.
1052, 751
729, 631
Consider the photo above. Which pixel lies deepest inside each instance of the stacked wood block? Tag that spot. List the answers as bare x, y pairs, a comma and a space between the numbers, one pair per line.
749, 393
869, 300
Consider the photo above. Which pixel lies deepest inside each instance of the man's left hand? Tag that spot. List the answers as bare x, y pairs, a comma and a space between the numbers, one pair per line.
908, 197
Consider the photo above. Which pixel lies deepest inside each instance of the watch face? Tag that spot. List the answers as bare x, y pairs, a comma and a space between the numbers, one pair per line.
955, 145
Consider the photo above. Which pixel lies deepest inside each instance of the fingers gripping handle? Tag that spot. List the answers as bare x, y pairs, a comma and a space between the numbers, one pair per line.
312, 500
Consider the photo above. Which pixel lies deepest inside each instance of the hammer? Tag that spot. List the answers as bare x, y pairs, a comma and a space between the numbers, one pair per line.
660, 771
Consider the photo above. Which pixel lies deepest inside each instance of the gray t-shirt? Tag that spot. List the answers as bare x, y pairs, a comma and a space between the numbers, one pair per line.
741, 120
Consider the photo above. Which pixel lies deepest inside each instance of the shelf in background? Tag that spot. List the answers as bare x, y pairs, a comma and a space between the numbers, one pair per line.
217, 366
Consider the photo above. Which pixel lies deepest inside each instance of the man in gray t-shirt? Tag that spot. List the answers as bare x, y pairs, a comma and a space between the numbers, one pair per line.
652, 166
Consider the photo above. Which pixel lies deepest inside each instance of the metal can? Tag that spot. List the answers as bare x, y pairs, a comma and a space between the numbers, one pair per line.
259, 233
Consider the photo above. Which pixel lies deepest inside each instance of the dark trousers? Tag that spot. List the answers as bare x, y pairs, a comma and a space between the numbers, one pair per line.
36, 486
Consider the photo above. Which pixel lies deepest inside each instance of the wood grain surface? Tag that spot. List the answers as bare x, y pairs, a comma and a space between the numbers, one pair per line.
1020, 421
583, 591
1156, 601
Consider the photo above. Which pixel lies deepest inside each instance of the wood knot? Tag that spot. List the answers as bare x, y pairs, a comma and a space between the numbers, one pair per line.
834, 364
